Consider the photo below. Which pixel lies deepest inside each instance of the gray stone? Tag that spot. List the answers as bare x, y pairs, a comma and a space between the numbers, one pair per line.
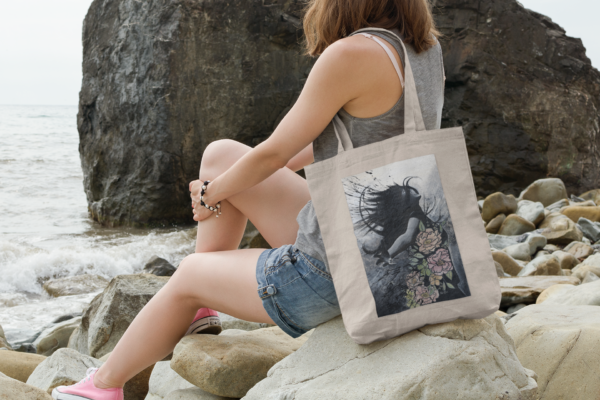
193, 394
64, 367
555, 207
56, 337
546, 264
560, 344
159, 267
72, 285
532, 211
575, 199
590, 229
435, 362
536, 242
515, 308
520, 251
164, 381
501, 242
111, 312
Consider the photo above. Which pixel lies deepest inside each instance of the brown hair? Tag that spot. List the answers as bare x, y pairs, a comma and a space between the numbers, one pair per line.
327, 21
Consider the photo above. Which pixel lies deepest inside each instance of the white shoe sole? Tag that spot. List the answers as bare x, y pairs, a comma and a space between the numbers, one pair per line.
209, 325
65, 396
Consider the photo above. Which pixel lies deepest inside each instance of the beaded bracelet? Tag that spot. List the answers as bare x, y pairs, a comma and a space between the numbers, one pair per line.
216, 208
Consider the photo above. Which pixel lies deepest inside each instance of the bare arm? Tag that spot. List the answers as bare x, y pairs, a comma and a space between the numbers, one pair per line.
302, 159
404, 240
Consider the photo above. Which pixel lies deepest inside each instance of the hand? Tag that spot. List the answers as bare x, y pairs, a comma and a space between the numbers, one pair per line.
200, 212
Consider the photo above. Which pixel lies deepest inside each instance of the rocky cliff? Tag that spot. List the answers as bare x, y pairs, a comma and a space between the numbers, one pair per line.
162, 79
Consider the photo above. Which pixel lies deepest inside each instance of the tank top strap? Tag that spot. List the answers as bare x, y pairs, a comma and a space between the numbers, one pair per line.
388, 52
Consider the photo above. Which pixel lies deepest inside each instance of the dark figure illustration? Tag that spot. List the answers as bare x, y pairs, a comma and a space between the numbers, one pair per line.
405, 249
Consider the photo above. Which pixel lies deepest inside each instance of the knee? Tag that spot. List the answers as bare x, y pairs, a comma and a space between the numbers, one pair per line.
184, 281
219, 156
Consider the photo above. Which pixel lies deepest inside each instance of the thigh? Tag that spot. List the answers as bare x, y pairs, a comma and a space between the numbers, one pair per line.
272, 205
231, 288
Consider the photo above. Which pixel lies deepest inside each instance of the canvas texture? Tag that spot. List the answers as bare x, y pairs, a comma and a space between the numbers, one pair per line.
402, 229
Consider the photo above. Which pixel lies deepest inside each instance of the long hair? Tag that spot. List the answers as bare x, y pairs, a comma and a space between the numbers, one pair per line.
327, 21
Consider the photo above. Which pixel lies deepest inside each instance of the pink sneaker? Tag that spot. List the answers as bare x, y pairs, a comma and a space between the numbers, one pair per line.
205, 321
85, 390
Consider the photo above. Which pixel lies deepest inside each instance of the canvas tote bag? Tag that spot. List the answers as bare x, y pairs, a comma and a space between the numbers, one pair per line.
401, 226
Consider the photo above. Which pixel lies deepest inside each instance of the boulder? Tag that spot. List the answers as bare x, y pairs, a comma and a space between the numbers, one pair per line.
164, 380
591, 230
159, 267
193, 394
64, 367
3, 342
231, 363
561, 231
532, 211
509, 265
527, 289
566, 260
576, 212
12, 389
546, 264
519, 251
79, 284
494, 225
19, 365
56, 337
579, 250
546, 191
587, 294
550, 291
498, 203
464, 359
593, 195
558, 342
515, 225
111, 312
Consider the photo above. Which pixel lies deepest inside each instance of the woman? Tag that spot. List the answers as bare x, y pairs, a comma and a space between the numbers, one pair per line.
290, 285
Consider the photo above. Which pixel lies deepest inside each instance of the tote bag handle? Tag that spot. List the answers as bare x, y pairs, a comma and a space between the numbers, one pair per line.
413, 118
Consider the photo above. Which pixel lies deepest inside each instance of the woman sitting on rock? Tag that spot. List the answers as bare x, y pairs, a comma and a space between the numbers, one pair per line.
289, 285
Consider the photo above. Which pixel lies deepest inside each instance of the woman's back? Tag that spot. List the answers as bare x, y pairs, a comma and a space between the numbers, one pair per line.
429, 78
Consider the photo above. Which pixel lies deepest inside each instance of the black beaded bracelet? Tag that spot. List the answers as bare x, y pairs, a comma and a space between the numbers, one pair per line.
216, 208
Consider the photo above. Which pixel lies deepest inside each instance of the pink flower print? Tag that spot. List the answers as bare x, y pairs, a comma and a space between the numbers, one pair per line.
440, 263
426, 295
414, 279
428, 240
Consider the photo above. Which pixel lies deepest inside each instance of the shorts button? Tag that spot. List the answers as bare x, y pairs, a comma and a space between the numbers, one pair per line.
271, 290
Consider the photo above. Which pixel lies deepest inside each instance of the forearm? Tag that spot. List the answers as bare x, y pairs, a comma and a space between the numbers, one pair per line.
302, 159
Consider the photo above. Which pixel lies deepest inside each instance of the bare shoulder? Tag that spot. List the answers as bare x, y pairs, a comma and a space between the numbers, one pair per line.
354, 49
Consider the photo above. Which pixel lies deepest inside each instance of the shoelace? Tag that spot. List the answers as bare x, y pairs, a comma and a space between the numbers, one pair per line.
88, 375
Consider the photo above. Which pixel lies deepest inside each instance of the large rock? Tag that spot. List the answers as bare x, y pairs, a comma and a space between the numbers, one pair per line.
561, 231
111, 312
465, 359
590, 229
526, 289
587, 294
231, 363
56, 337
542, 265
19, 365
158, 82
546, 191
12, 389
515, 225
159, 267
71, 285
3, 342
560, 344
64, 367
164, 381
532, 211
229, 322
590, 213
550, 291
193, 394
498, 203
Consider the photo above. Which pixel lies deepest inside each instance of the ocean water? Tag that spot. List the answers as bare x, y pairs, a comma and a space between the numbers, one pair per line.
45, 230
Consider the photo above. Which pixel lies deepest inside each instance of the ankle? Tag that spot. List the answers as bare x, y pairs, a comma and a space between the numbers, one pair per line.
102, 382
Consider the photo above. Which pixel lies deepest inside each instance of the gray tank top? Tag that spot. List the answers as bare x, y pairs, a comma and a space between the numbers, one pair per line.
428, 71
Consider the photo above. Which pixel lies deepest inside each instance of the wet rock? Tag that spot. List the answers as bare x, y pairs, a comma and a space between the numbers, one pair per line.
515, 225
498, 203
556, 341
580, 250
566, 260
527, 289
519, 251
494, 225
532, 211
112, 311
12, 389
3, 341
546, 264
71, 285
590, 229
546, 191
56, 337
159, 267
576, 212
19, 365
164, 381
233, 362
551, 290
561, 231
509, 265
593, 195
64, 367
438, 361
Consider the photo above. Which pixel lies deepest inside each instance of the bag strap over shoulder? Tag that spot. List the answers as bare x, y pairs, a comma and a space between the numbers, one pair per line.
413, 118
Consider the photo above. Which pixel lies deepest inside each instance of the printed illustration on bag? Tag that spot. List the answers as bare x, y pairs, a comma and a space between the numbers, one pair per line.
405, 235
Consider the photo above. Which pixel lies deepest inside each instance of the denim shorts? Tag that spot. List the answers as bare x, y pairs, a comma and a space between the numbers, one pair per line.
296, 290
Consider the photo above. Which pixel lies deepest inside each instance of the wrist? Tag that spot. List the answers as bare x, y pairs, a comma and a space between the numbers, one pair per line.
206, 200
